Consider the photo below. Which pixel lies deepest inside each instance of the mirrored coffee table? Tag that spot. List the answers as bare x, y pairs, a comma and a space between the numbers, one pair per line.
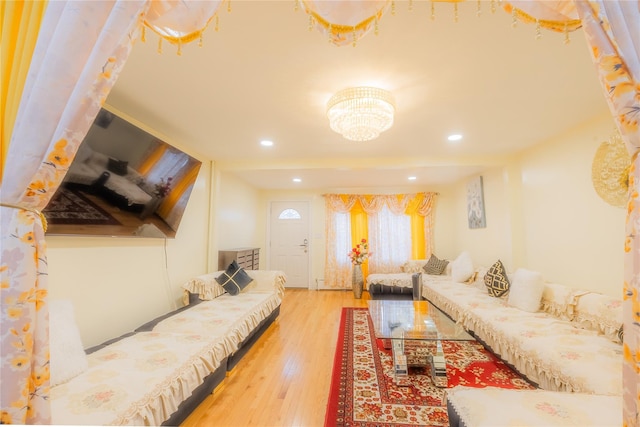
414, 331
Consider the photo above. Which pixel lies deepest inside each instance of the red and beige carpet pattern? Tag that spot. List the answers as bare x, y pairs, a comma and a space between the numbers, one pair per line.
363, 392
69, 206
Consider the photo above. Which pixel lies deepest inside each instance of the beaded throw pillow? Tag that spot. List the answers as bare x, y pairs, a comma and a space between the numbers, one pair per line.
234, 279
496, 280
435, 265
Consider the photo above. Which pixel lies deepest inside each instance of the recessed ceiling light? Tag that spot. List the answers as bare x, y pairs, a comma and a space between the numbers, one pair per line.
454, 137
297, 180
266, 143
412, 178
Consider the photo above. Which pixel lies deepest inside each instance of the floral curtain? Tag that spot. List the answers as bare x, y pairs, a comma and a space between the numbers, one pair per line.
68, 80
612, 30
367, 213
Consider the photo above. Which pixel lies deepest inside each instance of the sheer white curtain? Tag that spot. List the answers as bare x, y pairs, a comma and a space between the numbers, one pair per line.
390, 235
338, 273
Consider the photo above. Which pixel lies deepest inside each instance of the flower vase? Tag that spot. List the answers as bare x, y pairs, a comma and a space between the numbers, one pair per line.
357, 282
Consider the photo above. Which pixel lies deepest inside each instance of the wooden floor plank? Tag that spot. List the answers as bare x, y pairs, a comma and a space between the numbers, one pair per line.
284, 379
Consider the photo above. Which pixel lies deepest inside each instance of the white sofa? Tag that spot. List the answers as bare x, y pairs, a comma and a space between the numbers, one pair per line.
161, 371
566, 340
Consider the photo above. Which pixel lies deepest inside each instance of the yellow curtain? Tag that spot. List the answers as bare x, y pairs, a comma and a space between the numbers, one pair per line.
153, 158
20, 26
359, 230
418, 247
178, 190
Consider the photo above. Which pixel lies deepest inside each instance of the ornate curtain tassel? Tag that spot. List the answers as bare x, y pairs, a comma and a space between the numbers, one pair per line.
455, 12
493, 6
433, 11
514, 18
160, 45
478, 9
538, 30
143, 34
376, 27
217, 26
393, 7
330, 33
228, 5
200, 40
296, 5
179, 52
567, 40
310, 22
410, 4
355, 37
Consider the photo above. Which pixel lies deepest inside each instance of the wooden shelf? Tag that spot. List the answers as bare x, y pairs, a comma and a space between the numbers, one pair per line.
247, 258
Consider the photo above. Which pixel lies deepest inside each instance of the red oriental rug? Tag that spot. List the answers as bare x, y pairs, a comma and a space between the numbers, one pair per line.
363, 392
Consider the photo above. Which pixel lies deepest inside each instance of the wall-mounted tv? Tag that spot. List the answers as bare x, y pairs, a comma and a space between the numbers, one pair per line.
123, 181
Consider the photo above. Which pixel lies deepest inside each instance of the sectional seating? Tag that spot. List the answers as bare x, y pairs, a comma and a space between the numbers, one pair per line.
567, 341
158, 373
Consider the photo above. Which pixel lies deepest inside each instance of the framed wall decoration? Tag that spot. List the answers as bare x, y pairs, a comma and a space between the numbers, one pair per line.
475, 204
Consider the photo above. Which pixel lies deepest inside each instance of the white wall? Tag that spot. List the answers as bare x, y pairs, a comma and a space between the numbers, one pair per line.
117, 284
571, 234
543, 214
239, 217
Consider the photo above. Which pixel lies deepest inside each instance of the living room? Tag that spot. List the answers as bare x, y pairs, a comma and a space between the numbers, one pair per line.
541, 208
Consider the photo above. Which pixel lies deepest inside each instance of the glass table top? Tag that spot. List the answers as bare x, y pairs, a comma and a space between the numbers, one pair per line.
414, 320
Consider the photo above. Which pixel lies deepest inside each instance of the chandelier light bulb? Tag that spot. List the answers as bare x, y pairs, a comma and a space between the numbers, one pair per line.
361, 113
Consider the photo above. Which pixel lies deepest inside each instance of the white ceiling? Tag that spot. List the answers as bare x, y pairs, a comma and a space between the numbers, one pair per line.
264, 75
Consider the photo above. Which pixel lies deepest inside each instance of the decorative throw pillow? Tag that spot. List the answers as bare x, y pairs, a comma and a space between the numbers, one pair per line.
435, 265
462, 268
66, 352
525, 291
234, 279
496, 280
118, 167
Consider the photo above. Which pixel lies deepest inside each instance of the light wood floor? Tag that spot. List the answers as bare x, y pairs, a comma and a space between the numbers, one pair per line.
284, 379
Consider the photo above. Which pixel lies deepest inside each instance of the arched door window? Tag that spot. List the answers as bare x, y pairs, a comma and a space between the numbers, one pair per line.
289, 214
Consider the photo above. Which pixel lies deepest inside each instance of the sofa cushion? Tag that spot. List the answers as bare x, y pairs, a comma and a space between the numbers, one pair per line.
462, 268
67, 356
525, 291
119, 167
496, 280
205, 286
435, 265
413, 266
234, 279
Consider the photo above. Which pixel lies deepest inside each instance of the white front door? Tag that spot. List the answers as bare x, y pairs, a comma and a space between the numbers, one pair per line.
289, 241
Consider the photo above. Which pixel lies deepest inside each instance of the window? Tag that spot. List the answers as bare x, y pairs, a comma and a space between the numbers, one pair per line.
289, 214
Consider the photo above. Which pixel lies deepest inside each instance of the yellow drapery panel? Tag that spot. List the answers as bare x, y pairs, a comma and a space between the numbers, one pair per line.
20, 26
359, 229
418, 206
153, 158
178, 190
418, 247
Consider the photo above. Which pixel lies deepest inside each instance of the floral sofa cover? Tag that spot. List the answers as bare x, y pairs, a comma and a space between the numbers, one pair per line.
572, 343
495, 407
143, 377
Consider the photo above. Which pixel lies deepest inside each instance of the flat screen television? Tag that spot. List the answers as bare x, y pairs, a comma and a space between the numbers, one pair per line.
123, 181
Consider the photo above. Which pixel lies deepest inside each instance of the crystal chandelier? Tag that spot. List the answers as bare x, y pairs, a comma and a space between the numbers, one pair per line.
361, 113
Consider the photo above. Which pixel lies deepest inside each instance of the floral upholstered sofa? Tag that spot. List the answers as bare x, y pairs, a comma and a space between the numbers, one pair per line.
563, 339
160, 372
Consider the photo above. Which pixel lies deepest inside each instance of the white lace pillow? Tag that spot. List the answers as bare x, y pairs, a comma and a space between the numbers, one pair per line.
525, 291
462, 268
205, 286
67, 356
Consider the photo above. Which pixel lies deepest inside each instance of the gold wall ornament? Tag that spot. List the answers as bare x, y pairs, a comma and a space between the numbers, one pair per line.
610, 171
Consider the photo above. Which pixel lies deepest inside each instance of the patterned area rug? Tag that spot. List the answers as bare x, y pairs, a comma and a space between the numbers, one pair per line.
69, 206
363, 392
